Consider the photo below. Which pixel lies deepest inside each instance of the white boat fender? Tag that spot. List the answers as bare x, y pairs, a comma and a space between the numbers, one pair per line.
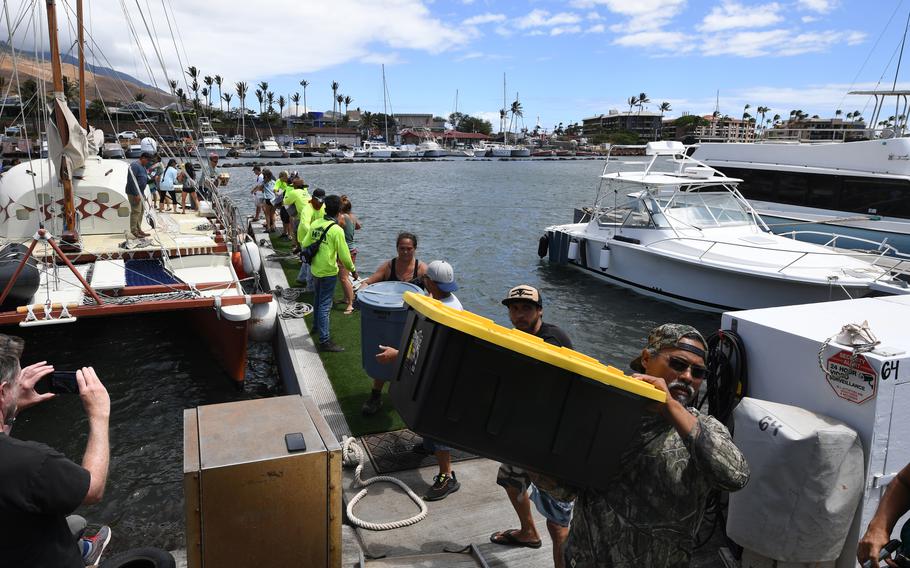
264, 321
252, 260
543, 246
573, 250
205, 209
604, 257
238, 312
148, 145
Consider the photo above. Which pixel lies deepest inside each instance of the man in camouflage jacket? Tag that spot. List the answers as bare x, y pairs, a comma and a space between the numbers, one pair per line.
650, 514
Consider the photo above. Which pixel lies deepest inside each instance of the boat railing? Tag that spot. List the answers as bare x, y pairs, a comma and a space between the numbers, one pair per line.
889, 266
880, 246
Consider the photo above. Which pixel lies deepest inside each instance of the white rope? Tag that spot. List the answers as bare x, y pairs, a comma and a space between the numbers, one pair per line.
861, 340
290, 307
352, 454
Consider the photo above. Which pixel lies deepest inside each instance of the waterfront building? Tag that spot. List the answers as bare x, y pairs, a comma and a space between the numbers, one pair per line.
318, 136
419, 121
725, 129
645, 124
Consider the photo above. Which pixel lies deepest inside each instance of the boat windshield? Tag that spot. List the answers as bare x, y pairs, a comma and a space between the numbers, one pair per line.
705, 209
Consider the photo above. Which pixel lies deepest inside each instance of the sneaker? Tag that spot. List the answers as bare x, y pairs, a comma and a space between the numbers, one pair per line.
443, 484
93, 542
371, 406
330, 347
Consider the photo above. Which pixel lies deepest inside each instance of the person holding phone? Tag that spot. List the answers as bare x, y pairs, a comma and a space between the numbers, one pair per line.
40, 486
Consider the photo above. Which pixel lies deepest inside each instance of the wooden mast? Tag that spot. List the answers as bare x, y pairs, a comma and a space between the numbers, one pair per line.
69, 208
83, 118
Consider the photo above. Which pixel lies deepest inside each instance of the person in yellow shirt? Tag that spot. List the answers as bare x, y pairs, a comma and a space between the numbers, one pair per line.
312, 210
294, 199
324, 267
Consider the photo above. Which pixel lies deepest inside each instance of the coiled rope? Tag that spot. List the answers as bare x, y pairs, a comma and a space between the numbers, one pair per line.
352, 455
290, 307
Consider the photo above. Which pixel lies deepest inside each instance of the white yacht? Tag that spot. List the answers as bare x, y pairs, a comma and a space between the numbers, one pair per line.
677, 229
269, 148
209, 140
520, 152
404, 151
370, 149
430, 149
857, 185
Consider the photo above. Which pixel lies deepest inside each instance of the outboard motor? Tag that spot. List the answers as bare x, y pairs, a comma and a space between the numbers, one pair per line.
26, 284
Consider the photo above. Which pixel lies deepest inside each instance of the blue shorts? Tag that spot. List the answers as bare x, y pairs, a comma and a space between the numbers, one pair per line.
554, 510
432, 445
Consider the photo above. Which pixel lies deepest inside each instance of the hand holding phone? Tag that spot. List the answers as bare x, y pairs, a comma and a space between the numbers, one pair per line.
29, 378
58, 382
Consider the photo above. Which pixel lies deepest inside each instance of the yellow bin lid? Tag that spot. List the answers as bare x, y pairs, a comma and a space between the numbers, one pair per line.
530, 346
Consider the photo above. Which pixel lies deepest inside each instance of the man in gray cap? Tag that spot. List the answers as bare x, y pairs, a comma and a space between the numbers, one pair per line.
650, 514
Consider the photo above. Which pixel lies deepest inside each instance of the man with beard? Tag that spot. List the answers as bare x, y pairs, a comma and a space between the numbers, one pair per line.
650, 514
526, 313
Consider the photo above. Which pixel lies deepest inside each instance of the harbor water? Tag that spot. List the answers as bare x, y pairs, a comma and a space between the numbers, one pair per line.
484, 217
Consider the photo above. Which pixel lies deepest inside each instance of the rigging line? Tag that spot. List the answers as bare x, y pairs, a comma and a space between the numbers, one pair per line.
871, 51
898, 68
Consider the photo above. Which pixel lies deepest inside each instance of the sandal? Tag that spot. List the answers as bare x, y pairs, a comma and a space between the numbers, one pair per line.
349, 310
508, 538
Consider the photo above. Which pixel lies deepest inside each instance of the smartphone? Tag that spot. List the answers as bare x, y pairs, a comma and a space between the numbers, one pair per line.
295, 442
58, 382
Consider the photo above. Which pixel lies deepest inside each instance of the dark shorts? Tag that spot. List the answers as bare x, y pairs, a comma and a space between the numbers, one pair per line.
162, 194
283, 213
554, 510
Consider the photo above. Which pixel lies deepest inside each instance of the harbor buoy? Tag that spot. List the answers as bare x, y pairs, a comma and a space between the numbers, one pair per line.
543, 245
252, 261
573, 250
604, 257
237, 263
264, 321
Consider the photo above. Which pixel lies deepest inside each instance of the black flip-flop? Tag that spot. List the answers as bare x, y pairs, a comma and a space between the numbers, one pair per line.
507, 538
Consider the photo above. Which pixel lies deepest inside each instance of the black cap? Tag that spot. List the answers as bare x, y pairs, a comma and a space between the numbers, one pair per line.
318, 194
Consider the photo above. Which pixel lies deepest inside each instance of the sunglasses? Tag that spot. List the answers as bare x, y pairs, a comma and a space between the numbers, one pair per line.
680, 365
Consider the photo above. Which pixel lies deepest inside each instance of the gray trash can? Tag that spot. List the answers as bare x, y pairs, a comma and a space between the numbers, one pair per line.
382, 316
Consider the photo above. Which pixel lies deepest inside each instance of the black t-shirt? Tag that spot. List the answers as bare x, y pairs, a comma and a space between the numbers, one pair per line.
39, 487
554, 335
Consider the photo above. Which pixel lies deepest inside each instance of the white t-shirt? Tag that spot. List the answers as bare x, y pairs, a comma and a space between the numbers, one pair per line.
452, 302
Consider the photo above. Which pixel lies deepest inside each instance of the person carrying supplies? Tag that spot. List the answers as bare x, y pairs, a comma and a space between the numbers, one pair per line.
324, 267
312, 211
649, 515
526, 314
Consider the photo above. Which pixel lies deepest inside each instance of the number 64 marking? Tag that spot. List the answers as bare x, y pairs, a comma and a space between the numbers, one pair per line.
769, 422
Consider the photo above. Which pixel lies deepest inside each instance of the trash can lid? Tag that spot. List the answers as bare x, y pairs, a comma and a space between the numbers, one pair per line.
531, 346
387, 295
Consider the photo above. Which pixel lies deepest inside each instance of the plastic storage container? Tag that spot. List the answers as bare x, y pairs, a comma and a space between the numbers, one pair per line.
382, 316
509, 396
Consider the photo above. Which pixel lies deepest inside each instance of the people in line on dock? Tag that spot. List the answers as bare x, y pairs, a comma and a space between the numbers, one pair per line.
893, 505
268, 194
210, 176
440, 283
282, 186
256, 192
526, 314
136, 181
155, 171
405, 267
294, 200
312, 211
324, 268
655, 501
349, 223
189, 186
171, 177
40, 487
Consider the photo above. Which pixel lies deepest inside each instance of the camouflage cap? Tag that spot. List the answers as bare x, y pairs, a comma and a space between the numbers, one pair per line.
669, 335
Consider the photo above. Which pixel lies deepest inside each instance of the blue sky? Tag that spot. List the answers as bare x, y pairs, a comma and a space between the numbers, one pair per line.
567, 59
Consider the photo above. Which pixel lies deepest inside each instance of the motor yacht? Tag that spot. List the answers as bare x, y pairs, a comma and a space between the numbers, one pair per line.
269, 148
677, 229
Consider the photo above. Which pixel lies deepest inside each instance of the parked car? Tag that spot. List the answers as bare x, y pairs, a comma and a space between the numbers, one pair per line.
127, 135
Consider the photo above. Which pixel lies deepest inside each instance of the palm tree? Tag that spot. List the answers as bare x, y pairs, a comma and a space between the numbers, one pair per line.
178, 92
139, 97
642, 100
218, 81
270, 100
260, 96
334, 96
241, 88
348, 99
281, 103
776, 119
226, 97
837, 113
762, 110
516, 111
173, 85
366, 123
304, 83
205, 95
295, 98
209, 81
339, 99
633, 100
857, 115
193, 73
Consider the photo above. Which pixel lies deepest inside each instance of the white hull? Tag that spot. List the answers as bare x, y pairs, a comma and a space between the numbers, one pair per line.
248, 153
402, 153
380, 153
432, 154
700, 286
521, 153
500, 153
221, 152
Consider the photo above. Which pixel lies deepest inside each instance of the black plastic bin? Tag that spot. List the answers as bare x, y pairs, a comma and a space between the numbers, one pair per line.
465, 381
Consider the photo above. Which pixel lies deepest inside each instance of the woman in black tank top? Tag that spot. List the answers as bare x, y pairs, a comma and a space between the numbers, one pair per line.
399, 268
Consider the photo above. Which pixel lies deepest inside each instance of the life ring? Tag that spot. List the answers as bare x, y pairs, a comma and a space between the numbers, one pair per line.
141, 558
543, 245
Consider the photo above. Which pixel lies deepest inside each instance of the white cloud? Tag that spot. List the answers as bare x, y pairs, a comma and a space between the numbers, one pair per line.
560, 30
820, 6
658, 41
808, 19
541, 18
368, 27
484, 19
480, 55
731, 15
778, 42
642, 14
594, 16
595, 29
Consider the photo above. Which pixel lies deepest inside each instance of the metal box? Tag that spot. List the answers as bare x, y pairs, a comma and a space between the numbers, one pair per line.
871, 393
251, 502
